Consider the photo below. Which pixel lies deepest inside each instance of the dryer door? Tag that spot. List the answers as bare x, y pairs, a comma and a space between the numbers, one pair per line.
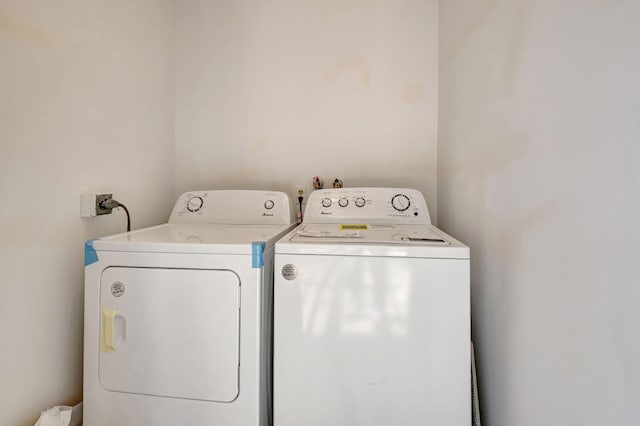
170, 332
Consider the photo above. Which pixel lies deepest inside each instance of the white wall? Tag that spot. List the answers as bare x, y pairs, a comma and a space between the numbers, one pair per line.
86, 103
538, 172
538, 116
271, 93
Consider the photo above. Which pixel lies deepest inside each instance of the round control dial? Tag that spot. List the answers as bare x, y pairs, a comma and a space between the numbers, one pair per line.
326, 202
400, 202
343, 202
195, 204
269, 204
360, 202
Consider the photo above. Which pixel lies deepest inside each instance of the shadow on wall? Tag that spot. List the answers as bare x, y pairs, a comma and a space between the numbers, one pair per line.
479, 157
513, 42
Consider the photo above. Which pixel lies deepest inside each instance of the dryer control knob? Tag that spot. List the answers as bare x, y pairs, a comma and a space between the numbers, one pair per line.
269, 204
360, 202
326, 202
343, 202
195, 204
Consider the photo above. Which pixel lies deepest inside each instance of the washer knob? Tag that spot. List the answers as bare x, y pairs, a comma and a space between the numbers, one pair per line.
195, 204
400, 202
343, 202
269, 204
360, 202
326, 202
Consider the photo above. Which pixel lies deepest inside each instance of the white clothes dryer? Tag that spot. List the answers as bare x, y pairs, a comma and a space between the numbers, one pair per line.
371, 315
178, 316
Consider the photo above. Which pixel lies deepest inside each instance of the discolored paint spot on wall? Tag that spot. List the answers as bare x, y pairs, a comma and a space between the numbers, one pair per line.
259, 145
477, 20
24, 31
356, 63
517, 44
413, 92
486, 161
19, 233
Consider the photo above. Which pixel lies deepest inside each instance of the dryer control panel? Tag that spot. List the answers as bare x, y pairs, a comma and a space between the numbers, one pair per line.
367, 205
238, 207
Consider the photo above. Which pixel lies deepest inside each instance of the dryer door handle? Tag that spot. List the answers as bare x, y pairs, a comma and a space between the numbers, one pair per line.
114, 330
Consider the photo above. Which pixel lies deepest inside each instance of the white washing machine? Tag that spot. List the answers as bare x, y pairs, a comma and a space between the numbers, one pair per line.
371, 315
178, 316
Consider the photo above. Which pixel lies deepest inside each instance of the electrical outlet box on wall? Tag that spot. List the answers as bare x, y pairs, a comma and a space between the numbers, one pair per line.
90, 204
301, 191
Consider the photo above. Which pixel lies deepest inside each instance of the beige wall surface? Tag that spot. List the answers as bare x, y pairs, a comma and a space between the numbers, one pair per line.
262, 94
272, 93
86, 104
536, 163
538, 173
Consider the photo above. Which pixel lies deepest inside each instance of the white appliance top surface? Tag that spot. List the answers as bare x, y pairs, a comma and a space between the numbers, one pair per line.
215, 221
370, 222
372, 240
372, 234
193, 238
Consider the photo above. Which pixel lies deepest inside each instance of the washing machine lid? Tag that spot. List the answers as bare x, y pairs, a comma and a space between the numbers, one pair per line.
424, 241
193, 238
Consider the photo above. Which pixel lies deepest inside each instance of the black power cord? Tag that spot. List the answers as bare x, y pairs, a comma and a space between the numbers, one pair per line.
300, 202
112, 204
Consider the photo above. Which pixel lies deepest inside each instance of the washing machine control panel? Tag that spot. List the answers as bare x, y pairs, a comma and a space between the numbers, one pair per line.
367, 205
233, 207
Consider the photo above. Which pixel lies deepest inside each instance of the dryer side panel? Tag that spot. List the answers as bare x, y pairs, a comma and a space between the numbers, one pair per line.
170, 332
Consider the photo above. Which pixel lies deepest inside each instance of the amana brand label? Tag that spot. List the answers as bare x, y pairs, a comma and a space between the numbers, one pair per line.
289, 272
